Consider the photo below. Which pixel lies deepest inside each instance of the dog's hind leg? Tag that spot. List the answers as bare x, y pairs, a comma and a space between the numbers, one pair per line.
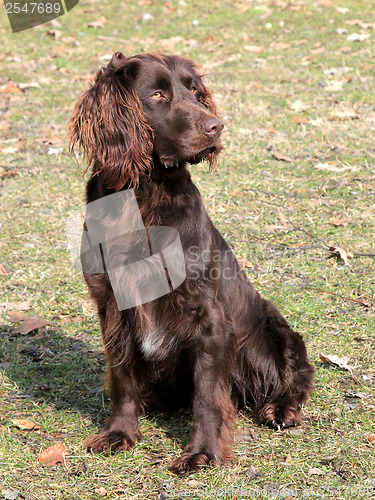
273, 370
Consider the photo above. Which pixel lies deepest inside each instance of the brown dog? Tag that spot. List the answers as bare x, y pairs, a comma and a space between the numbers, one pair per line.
212, 342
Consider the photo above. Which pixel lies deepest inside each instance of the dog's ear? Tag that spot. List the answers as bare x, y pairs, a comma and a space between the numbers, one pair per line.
109, 125
207, 100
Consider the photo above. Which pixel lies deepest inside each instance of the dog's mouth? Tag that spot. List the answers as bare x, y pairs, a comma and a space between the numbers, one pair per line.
173, 162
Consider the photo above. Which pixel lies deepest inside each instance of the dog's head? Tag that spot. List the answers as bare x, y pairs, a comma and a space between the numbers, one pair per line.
143, 111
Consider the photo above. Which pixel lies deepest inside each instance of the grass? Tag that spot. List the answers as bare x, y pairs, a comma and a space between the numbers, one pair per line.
267, 62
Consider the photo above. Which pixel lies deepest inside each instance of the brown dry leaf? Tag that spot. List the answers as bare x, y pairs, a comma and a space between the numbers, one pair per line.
28, 85
282, 217
53, 455
348, 114
50, 141
358, 37
331, 167
341, 362
28, 324
299, 106
10, 88
334, 86
280, 45
300, 119
335, 221
342, 10
68, 39
288, 459
314, 471
3, 271
16, 316
101, 491
97, 24
17, 306
235, 192
370, 438
6, 175
56, 34
25, 425
340, 254
10, 150
361, 24
281, 157
246, 263
253, 48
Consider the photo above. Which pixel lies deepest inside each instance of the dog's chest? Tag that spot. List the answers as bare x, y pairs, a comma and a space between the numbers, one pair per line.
157, 343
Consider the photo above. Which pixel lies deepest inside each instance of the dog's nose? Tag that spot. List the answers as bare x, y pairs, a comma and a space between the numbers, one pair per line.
212, 126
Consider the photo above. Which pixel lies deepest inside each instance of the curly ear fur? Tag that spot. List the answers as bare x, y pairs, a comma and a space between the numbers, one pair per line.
109, 125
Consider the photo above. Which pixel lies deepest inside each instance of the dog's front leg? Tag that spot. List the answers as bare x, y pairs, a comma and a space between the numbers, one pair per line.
121, 429
213, 411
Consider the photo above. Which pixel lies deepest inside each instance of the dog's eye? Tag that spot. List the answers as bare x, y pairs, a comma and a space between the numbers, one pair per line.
157, 95
193, 90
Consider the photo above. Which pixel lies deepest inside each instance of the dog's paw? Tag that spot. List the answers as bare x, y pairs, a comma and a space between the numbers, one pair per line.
280, 417
191, 462
110, 442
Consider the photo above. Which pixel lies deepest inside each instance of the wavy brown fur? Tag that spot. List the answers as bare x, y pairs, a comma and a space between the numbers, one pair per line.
213, 343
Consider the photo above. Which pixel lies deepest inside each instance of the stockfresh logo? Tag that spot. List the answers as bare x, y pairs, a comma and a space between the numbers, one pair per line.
26, 14
142, 263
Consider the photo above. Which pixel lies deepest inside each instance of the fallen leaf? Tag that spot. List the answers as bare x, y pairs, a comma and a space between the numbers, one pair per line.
28, 324
246, 263
333, 86
3, 271
266, 14
16, 306
10, 150
55, 151
101, 491
68, 39
253, 48
10, 494
341, 362
280, 45
370, 438
299, 106
361, 24
16, 316
331, 167
340, 254
341, 31
53, 454
334, 221
348, 114
281, 157
314, 471
97, 24
10, 88
25, 86
56, 34
288, 459
25, 425
319, 122
300, 119
50, 141
342, 10
358, 37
